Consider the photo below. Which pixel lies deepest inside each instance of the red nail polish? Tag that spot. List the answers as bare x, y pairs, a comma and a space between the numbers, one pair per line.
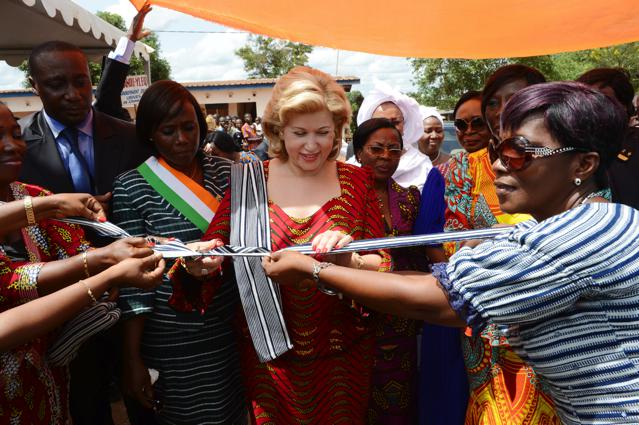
102, 219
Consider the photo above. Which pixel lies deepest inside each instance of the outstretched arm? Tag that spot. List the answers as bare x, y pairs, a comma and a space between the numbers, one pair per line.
115, 68
413, 295
28, 321
13, 215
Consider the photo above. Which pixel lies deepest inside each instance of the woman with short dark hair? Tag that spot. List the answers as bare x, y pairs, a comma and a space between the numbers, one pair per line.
175, 193
562, 287
500, 86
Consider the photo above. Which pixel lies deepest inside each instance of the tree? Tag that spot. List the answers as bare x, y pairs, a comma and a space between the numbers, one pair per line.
440, 82
355, 97
160, 67
265, 57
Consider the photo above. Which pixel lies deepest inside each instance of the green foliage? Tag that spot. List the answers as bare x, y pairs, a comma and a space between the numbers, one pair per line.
440, 82
112, 18
355, 97
265, 57
160, 67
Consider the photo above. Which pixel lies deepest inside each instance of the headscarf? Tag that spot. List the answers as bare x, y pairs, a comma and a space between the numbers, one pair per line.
413, 166
429, 111
382, 93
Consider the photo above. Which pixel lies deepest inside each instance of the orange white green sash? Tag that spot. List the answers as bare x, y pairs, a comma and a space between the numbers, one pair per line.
192, 200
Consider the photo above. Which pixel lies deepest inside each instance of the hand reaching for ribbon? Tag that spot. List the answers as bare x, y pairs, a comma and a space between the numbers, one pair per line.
202, 267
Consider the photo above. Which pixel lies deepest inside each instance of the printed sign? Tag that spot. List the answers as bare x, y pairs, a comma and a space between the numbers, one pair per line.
134, 86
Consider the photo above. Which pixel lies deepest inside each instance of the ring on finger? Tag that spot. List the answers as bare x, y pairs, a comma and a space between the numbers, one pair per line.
205, 272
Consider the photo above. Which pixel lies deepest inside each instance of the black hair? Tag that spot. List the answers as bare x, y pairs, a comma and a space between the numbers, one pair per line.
469, 95
618, 79
370, 126
49, 47
505, 75
575, 115
223, 141
161, 101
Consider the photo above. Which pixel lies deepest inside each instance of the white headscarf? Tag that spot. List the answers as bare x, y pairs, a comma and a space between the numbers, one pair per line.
413, 166
429, 111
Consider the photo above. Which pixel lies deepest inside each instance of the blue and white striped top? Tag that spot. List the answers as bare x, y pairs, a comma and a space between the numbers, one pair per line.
565, 292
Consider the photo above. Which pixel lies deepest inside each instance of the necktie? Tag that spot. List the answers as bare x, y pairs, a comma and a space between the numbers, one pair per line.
78, 167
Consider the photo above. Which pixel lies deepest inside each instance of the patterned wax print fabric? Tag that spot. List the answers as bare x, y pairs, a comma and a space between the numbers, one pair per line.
248, 156
394, 395
503, 388
195, 354
443, 386
325, 377
565, 293
32, 391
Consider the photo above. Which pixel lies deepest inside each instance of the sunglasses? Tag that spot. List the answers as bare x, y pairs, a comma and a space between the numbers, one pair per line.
476, 123
379, 150
516, 153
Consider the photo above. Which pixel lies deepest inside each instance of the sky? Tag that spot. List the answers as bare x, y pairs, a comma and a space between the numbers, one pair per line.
210, 57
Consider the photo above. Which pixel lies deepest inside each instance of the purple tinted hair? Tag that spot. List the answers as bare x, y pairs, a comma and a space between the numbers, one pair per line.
575, 115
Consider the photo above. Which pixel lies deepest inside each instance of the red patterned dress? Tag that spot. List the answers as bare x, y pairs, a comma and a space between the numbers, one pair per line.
325, 378
32, 391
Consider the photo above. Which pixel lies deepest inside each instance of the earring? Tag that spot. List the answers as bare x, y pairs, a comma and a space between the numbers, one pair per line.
577, 181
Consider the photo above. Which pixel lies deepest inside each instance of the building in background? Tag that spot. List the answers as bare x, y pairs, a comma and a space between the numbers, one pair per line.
234, 97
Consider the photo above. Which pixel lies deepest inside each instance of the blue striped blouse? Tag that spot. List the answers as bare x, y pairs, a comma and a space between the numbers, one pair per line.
565, 292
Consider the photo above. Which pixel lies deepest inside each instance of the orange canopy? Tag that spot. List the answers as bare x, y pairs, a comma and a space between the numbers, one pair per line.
429, 28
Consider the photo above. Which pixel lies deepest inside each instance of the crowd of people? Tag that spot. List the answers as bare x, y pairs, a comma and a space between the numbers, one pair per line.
535, 326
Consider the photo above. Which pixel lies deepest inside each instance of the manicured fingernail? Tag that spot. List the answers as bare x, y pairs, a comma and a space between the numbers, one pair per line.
102, 219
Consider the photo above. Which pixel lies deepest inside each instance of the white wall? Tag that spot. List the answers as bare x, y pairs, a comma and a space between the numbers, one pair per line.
22, 105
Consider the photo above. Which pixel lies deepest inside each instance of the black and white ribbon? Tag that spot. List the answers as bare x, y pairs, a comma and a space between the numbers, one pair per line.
250, 227
175, 248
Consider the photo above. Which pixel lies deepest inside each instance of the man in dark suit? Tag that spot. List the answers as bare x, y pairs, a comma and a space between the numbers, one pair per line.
71, 147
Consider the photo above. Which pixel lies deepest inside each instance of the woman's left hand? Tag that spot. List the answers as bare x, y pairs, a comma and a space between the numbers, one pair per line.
289, 268
329, 240
202, 267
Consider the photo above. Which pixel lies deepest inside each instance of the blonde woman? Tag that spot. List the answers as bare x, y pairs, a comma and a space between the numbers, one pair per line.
324, 378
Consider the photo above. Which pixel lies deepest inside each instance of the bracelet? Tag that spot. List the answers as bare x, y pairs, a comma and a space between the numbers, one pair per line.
85, 262
89, 291
317, 268
28, 209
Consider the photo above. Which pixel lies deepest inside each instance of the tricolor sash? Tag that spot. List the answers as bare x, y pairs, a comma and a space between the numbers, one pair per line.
193, 201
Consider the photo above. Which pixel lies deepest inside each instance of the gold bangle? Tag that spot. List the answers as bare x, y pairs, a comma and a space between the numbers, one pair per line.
89, 291
85, 262
28, 209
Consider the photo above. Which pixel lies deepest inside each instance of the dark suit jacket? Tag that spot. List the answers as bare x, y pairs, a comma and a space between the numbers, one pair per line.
115, 147
109, 90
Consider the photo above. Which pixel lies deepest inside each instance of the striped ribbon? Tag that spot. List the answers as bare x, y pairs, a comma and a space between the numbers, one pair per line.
175, 248
250, 227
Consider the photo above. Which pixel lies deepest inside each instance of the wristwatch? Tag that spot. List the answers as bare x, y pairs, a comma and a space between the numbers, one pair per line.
317, 268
